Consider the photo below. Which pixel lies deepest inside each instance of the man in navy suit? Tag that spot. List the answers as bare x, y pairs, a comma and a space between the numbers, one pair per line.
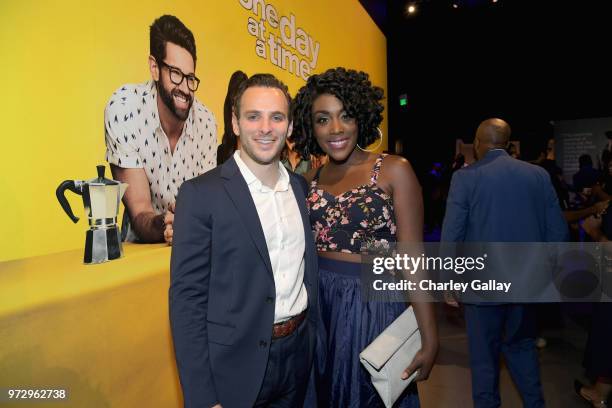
502, 199
244, 269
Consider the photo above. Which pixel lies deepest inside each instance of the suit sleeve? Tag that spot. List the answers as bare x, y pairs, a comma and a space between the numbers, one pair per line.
455, 222
190, 269
303, 184
556, 227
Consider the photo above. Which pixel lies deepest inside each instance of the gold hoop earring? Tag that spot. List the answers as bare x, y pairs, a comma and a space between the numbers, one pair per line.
380, 137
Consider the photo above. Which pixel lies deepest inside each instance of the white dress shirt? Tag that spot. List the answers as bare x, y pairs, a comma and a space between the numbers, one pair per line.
282, 226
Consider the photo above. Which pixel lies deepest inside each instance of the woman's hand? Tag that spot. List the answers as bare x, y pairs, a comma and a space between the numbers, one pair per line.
423, 362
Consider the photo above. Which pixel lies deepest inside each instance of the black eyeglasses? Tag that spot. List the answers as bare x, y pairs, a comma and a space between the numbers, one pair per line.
177, 77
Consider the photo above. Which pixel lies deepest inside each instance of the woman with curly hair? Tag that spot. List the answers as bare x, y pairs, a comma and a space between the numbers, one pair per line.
357, 199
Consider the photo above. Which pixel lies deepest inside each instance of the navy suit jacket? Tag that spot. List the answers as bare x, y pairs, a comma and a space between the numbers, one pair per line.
222, 291
502, 199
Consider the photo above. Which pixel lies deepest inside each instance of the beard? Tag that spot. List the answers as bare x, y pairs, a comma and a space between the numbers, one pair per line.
168, 100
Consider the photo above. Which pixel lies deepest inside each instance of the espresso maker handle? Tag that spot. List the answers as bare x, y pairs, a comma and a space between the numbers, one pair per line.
59, 193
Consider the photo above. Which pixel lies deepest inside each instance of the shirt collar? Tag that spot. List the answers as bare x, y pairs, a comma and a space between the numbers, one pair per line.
252, 181
496, 152
152, 94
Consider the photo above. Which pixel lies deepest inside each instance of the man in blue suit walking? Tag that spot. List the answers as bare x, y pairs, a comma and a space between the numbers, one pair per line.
243, 290
501, 199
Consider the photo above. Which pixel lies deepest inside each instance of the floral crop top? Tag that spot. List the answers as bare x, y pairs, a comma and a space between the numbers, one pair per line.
356, 218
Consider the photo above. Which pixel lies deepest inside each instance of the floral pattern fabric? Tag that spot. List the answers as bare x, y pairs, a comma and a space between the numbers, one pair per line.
358, 218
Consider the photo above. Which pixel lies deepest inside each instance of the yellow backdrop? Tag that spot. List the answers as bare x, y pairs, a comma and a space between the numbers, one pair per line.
61, 60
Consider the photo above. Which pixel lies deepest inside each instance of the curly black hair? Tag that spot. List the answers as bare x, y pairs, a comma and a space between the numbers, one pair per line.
360, 98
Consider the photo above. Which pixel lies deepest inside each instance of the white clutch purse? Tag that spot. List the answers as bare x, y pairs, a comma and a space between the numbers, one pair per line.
389, 355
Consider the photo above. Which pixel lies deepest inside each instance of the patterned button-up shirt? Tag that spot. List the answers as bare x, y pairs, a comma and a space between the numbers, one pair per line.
135, 139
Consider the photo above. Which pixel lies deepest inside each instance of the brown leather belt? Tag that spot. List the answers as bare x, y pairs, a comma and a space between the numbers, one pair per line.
287, 327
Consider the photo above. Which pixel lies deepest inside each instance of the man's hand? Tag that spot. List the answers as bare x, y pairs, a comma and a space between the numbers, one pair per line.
592, 226
450, 299
423, 362
168, 220
600, 207
148, 226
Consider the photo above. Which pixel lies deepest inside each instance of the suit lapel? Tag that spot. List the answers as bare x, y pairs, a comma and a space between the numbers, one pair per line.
240, 195
297, 189
310, 253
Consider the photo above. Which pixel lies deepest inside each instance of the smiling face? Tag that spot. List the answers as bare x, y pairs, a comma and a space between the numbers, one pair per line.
177, 98
336, 132
262, 125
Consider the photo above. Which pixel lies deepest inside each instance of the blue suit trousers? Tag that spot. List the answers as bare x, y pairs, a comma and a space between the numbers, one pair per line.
507, 329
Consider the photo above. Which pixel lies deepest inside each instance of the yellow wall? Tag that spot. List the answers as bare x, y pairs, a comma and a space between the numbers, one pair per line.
61, 60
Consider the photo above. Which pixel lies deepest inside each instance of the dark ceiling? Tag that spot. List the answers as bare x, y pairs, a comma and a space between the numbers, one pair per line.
529, 62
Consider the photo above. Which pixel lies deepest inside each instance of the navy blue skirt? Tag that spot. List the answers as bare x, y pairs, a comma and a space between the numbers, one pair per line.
348, 324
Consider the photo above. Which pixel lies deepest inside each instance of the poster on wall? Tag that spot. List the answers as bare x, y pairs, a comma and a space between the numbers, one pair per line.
277, 37
75, 332
574, 138
58, 111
